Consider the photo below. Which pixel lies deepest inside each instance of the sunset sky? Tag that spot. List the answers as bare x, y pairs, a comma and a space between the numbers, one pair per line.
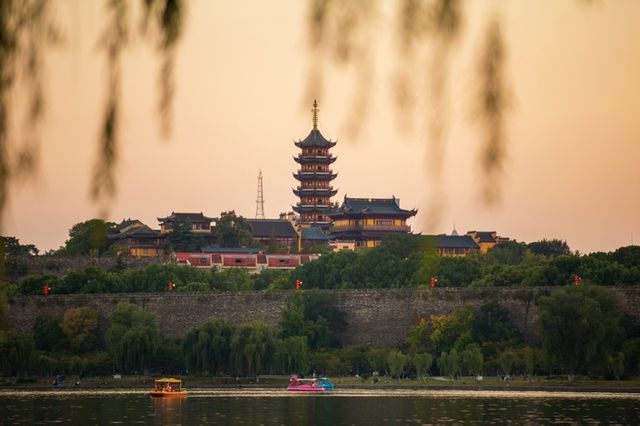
573, 130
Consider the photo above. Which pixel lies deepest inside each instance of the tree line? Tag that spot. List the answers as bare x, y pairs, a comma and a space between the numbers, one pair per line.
582, 332
401, 261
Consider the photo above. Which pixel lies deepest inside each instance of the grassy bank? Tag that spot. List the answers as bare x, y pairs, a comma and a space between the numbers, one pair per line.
464, 383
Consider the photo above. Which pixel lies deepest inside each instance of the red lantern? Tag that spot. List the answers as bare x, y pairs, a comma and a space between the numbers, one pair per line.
298, 284
434, 281
576, 279
46, 290
171, 286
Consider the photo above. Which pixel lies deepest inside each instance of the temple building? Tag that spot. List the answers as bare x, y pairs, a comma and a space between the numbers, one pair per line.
137, 239
366, 221
280, 230
196, 223
314, 177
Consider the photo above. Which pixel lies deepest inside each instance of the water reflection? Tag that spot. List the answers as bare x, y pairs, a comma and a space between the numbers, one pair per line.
341, 407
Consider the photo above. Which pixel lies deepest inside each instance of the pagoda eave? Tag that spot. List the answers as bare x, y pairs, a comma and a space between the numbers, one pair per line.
314, 159
315, 176
315, 192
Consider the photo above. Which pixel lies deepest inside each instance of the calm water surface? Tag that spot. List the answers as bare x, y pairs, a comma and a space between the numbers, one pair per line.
349, 407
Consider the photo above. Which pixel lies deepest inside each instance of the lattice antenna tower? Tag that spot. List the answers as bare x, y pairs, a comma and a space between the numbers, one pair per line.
260, 198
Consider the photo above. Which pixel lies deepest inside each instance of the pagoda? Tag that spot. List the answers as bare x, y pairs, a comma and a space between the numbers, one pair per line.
315, 176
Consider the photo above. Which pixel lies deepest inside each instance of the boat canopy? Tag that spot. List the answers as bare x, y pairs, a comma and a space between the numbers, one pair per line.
168, 380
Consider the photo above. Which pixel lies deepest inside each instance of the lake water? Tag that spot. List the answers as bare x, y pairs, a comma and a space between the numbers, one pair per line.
340, 407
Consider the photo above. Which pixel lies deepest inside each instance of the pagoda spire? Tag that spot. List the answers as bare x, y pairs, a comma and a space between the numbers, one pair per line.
315, 114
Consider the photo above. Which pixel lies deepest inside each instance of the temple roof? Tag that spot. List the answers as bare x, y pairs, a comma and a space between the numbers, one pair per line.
186, 217
456, 241
314, 233
315, 140
127, 225
272, 228
371, 206
136, 230
483, 236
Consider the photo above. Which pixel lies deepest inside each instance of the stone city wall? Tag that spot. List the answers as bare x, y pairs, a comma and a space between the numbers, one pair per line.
20, 267
374, 317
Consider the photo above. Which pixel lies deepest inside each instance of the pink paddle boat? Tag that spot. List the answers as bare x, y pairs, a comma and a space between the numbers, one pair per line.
304, 385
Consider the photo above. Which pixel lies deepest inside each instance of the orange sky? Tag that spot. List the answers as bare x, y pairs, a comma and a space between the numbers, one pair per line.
573, 169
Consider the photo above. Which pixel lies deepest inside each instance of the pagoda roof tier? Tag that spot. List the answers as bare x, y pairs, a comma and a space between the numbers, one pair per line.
310, 208
368, 207
321, 159
315, 175
310, 192
315, 140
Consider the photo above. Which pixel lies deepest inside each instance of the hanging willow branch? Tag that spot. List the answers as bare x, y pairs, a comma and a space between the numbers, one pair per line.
26, 29
341, 31
491, 103
161, 20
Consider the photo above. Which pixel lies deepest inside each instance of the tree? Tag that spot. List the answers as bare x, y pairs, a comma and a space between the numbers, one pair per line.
88, 238
507, 361
293, 355
550, 248
472, 359
292, 321
627, 256
253, 348
418, 337
615, 363
397, 362
80, 326
207, 348
232, 230
492, 325
458, 271
507, 253
580, 327
452, 331
422, 363
16, 354
48, 334
327, 320
449, 363
3, 317
133, 337
182, 238
12, 247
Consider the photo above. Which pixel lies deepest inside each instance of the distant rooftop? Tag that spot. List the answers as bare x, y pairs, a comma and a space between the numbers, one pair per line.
277, 228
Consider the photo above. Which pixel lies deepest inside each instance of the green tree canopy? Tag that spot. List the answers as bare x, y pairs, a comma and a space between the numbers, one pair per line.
452, 331
207, 348
80, 326
88, 238
549, 248
48, 334
232, 230
182, 238
133, 337
12, 247
580, 327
